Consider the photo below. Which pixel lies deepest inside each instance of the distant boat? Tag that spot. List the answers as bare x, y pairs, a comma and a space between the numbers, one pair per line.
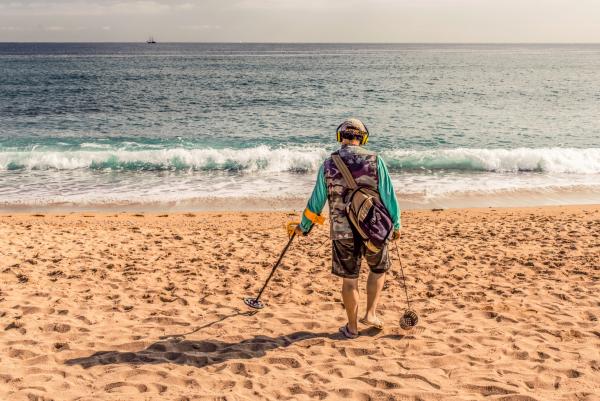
151, 40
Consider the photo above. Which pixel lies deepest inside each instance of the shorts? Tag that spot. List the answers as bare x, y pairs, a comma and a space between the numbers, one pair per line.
347, 254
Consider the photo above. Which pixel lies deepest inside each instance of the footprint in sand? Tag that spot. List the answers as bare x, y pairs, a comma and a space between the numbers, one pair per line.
109, 388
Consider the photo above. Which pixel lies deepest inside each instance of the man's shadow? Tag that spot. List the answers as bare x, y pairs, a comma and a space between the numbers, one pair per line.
201, 353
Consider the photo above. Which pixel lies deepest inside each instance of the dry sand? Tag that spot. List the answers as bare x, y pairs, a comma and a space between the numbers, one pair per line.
116, 307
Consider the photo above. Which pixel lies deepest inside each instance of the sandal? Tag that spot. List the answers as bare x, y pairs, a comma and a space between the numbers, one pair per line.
377, 323
347, 333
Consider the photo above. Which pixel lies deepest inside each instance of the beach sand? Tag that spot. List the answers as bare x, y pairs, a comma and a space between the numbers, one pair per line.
117, 306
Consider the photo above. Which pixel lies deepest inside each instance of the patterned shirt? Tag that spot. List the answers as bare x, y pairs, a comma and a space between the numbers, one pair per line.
384, 185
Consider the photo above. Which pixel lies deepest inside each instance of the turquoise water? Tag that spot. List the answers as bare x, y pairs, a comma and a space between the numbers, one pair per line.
133, 124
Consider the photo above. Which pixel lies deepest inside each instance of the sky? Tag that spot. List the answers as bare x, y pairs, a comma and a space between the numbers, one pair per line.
465, 21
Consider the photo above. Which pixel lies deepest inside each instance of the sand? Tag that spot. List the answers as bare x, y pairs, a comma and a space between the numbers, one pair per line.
148, 306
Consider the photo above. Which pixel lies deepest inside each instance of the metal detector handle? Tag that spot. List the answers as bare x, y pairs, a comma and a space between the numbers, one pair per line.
276, 265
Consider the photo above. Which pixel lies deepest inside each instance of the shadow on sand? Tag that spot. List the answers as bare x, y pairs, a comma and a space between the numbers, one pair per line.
200, 353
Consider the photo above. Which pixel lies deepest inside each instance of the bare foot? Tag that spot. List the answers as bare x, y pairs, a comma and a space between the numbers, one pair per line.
373, 321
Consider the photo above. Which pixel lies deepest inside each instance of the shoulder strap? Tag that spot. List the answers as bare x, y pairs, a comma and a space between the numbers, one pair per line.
345, 171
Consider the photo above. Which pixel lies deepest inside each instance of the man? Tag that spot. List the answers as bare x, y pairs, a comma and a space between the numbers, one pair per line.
347, 247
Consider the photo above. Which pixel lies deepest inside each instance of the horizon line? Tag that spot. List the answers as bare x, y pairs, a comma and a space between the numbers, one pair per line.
290, 43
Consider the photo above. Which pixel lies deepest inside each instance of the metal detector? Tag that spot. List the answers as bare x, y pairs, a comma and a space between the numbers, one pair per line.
256, 302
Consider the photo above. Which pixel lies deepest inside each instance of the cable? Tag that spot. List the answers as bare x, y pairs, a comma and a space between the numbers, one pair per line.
409, 319
403, 278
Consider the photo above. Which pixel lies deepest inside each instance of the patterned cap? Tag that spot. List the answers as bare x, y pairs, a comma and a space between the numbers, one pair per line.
352, 125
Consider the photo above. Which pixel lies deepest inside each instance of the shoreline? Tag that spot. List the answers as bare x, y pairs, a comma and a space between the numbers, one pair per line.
117, 212
505, 199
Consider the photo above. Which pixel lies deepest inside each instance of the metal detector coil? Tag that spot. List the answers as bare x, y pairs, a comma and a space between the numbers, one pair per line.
409, 319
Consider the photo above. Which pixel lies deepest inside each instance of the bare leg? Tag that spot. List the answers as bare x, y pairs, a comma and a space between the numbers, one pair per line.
350, 298
374, 286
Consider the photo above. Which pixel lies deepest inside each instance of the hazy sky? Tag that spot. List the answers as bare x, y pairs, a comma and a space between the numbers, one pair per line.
301, 20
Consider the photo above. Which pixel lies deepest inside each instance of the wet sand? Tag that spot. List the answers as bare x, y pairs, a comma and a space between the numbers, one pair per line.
105, 306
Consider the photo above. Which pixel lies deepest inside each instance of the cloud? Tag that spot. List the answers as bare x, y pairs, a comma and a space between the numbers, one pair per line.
138, 7
60, 28
94, 8
205, 27
185, 6
289, 4
315, 5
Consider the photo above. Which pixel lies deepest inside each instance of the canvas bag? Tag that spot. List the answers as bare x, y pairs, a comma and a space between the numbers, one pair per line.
365, 211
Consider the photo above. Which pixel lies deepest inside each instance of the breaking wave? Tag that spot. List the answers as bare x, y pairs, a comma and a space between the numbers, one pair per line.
549, 160
301, 160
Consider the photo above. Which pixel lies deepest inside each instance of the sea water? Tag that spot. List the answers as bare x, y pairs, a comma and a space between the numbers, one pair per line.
234, 126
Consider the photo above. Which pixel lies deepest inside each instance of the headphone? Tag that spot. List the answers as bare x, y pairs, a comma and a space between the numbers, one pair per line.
365, 134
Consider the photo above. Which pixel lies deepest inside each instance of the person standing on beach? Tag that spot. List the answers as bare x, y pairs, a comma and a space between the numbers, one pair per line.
348, 248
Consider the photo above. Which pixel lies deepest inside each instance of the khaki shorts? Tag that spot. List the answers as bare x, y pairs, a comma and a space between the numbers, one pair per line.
347, 254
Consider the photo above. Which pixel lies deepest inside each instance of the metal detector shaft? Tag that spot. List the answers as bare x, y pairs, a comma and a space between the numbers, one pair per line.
276, 266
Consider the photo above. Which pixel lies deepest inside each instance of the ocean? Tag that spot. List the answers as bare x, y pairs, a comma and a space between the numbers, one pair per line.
246, 126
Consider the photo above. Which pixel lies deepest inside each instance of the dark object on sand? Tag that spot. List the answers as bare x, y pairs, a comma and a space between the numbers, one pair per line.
255, 302
409, 319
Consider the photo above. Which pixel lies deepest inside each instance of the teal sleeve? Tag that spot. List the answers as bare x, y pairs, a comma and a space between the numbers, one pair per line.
387, 194
316, 201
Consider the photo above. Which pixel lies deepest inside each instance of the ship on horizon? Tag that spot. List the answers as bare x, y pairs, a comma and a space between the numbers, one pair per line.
151, 40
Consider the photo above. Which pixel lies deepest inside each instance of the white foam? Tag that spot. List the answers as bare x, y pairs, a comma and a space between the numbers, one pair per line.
554, 160
261, 158
266, 159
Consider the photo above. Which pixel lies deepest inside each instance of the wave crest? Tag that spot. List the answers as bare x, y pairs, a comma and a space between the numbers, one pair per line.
552, 160
261, 158
303, 160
